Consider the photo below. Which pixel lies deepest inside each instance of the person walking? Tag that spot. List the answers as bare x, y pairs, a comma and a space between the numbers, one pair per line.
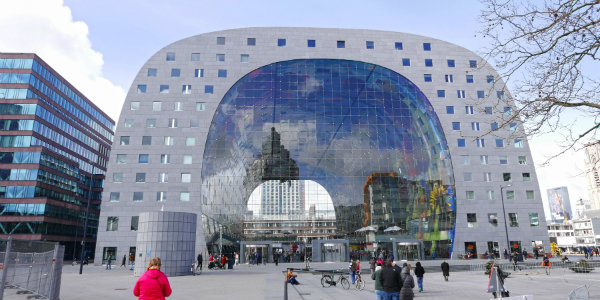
372, 265
390, 281
131, 260
237, 258
419, 272
408, 283
276, 258
109, 261
380, 294
153, 284
352, 270
505, 254
445, 270
199, 261
124, 261
546, 264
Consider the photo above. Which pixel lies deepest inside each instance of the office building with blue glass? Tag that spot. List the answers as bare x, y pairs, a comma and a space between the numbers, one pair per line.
323, 143
52, 139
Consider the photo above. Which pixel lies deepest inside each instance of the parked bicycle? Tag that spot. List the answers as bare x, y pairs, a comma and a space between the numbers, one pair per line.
329, 280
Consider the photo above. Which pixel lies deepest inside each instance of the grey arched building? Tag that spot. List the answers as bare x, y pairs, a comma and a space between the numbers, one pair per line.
354, 140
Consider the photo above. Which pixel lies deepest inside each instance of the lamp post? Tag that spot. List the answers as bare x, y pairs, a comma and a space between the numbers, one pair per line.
85, 222
505, 219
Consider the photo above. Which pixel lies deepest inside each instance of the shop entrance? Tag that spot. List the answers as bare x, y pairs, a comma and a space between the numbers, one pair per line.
333, 252
408, 251
251, 252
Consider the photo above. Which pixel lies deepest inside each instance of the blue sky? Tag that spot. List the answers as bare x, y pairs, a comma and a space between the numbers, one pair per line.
99, 45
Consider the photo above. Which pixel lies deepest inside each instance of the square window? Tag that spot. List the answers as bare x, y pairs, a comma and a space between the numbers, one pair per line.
460, 94
186, 177
428, 62
513, 126
115, 196
112, 224
187, 159
165, 159
534, 220
341, 44
472, 64
140, 177
500, 143
184, 196
481, 95
152, 72
518, 143
494, 126
490, 195
178, 106
156, 106
493, 219
526, 176
281, 42
222, 73
510, 195
311, 43
398, 45
198, 73
208, 89
168, 141
455, 125
128, 123
484, 159
134, 223
529, 195
470, 195
150, 123
172, 123
143, 158
490, 79
475, 126
121, 158
500, 94
487, 176
513, 220
507, 111
190, 141
451, 63
370, 45
118, 177
427, 46
220, 57
141, 88
163, 177
466, 160
441, 93
427, 77
170, 56
161, 196
469, 110
406, 62
468, 176
194, 123
124, 140
138, 196
195, 57
251, 42
504, 160
522, 160
470, 79
471, 220
450, 110
507, 177
175, 72
186, 89
200, 106
220, 40
488, 110
244, 58
461, 143
449, 78
164, 89
480, 142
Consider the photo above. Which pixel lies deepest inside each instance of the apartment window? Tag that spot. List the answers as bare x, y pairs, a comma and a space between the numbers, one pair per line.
427, 46
165, 159
472, 64
208, 89
220, 57
529, 195
513, 126
534, 220
244, 58
470, 195
398, 45
184, 196
195, 56
187, 159
163, 177
186, 177
161, 196
152, 72
500, 143
513, 220
281, 42
461, 143
488, 110
341, 44
164, 89
427, 77
220, 40
489, 79
128, 123
480, 143
178, 106
487, 176
121, 158
143, 158
493, 219
494, 126
466, 160
510, 195
484, 159
460, 94
441, 93
480, 95
455, 125
150, 123
450, 110
507, 177
199, 73
140, 177
526, 176
500, 94
507, 111
222, 73
522, 160
428, 62
311, 43
370, 45
138, 196
118, 177
146, 140
141, 88
112, 223
504, 160
468, 176
156, 106
251, 42
194, 123
175, 72
115, 196
469, 110
518, 143
475, 126
451, 63
190, 141
124, 140
134, 223
172, 123
200, 106
471, 220
490, 195
406, 62
170, 56
168, 141
449, 78
469, 78
186, 89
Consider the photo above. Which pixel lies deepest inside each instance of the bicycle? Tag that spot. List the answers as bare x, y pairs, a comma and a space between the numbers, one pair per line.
329, 280
360, 283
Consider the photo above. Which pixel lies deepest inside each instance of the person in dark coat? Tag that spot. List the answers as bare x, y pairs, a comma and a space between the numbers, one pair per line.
124, 262
419, 272
379, 292
390, 281
408, 283
199, 261
445, 270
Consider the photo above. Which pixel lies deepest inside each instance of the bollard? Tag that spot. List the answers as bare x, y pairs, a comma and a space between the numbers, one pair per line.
5, 267
285, 290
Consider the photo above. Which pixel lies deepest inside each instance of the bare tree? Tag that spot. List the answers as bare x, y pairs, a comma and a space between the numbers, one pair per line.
548, 51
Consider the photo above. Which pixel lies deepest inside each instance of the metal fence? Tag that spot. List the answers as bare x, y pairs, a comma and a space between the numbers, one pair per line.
31, 266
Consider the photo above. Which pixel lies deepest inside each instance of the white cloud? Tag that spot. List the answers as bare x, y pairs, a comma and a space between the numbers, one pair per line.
47, 28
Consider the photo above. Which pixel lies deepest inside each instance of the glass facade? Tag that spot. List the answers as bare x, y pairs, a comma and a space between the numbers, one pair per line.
365, 134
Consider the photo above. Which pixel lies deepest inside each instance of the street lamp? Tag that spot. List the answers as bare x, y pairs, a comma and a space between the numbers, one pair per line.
85, 222
505, 219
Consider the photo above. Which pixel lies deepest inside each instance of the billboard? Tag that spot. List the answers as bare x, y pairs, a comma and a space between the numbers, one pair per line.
560, 204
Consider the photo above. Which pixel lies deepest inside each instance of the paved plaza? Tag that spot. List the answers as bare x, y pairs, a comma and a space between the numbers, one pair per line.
266, 282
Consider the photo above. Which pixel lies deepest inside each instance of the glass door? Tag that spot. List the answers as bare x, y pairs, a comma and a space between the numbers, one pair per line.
408, 251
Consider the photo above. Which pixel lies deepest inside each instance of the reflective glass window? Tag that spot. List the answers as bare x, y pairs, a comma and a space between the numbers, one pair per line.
451, 63
222, 73
199, 73
118, 177
134, 223
341, 44
170, 56
151, 123
141, 88
186, 89
427, 46
406, 62
140, 177
152, 72
251, 42
190, 141
208, 89
427, 77
200, 106
165, 158
455, 125
220, 57
143, 158
156, 105
164, 88
281, 42
470, 79
124, 140
441, 93
220, 40
161, 196
428, 62
186, 177
480, 94
138, 196
450, 110
128, 123
500, 143
146, 140
184, 196
490, 79
112, 223
398, 45
461, 143
121, 158
311, 43
370, 45
187, 159
195, 57
244, 58
534, 220
472, 64
175, 72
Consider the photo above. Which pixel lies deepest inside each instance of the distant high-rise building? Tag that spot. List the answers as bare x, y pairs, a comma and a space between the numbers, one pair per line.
592, 155
52, 140
559, 203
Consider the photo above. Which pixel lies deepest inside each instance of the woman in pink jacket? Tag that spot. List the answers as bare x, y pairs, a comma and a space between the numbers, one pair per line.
153, 284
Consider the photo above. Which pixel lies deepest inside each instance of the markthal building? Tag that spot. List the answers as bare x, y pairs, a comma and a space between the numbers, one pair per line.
323, 143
